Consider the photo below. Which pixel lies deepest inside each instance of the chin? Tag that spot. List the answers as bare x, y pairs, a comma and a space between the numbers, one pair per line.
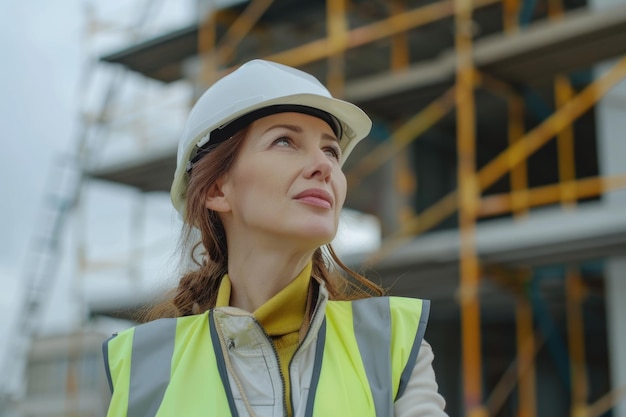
317, 236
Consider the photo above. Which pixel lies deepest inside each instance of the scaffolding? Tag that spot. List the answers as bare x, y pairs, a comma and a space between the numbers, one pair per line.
374, 54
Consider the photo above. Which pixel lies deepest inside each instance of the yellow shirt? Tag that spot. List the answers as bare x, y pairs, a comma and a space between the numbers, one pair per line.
281, 317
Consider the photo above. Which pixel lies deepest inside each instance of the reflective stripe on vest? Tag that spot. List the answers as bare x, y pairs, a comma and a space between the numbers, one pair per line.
365, 351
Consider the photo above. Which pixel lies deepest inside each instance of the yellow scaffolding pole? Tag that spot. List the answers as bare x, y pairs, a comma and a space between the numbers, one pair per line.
510, 13
405, 184
555, 9
400, 42
519, 174
575, 294
527, 402
497, 204
565, 144
337, 27
468, 202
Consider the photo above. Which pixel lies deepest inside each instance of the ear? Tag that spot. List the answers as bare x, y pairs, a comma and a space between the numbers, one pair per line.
216, 198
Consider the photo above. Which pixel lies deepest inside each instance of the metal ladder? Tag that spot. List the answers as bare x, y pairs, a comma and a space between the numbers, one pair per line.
39, 275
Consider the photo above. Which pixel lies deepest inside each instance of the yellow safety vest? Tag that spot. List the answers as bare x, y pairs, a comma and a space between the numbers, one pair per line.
365, 353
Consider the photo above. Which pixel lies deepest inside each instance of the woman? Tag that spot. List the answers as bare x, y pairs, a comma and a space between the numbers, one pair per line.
260, 328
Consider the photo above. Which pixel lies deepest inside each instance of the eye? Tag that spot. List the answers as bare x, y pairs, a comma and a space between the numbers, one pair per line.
333, 152
283, 141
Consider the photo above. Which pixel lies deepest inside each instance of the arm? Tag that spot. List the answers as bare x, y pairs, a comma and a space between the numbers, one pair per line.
420, 398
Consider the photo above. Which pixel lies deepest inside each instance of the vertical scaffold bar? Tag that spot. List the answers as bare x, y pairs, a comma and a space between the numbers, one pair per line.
399, 42
576, 337
565, 145
510, 13
337, 28
519, 173
468, 202
527, 404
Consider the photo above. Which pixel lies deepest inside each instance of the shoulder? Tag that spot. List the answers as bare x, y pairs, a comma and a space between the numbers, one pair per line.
403, 318
409, 305
153, 331
386, 305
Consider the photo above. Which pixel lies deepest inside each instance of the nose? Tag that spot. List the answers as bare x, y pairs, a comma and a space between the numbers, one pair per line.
319, 166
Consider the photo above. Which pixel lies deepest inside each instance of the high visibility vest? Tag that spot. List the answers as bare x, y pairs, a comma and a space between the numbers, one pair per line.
365, 353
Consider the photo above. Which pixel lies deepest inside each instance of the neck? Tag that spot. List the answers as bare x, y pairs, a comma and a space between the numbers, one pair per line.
259, 273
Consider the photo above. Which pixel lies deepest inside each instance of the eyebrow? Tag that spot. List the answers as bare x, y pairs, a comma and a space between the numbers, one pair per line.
298, 129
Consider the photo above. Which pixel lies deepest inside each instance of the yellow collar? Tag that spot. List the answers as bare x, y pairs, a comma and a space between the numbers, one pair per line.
284, 312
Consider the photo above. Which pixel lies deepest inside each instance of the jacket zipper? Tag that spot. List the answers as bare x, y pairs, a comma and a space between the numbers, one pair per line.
300, 345
280, 370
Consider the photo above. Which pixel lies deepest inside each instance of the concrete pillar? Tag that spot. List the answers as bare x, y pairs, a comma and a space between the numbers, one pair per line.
611, 125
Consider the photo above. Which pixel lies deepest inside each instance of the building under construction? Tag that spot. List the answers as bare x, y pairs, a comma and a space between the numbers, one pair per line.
496, 168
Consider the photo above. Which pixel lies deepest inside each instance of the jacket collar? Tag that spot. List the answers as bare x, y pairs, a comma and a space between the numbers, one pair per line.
242, 330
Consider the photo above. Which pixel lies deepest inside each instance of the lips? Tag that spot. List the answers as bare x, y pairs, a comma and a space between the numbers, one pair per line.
316, 197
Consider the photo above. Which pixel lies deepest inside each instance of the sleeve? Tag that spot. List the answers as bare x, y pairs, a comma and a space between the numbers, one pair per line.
420, 397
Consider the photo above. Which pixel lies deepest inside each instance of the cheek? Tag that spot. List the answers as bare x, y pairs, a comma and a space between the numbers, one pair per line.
256, 181
341, 188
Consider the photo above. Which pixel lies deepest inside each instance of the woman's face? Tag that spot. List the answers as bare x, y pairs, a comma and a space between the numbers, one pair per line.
286, 182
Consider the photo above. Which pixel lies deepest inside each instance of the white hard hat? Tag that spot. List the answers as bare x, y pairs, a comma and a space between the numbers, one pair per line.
256, 89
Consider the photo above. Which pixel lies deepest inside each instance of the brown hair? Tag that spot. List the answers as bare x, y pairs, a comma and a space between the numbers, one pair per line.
197, 289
